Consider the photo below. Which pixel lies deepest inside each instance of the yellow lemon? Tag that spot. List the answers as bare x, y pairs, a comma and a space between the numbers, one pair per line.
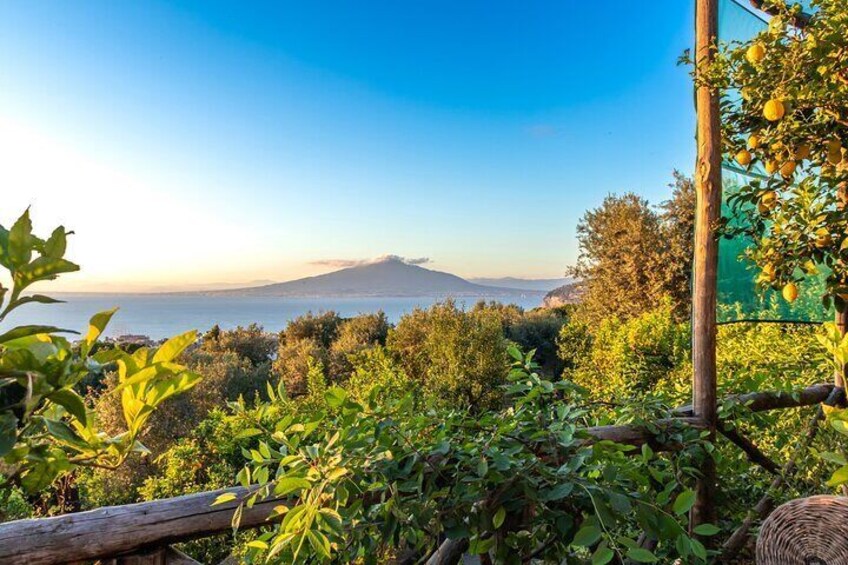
787, 169
768, 272
790, 292
769, 199
774, 110
771, 166
753, 141
743, 157
823, 238
755, 53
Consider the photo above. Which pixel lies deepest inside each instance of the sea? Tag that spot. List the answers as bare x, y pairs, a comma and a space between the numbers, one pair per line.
162, 315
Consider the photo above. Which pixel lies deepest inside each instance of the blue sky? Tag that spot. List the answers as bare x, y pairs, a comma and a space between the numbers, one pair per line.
197, 141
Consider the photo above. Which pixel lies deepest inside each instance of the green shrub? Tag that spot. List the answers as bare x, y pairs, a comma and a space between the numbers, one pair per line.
458, 357
251, 343
355, 335
618, 360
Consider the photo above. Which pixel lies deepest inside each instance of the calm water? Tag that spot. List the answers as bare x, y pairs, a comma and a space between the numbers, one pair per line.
163, 315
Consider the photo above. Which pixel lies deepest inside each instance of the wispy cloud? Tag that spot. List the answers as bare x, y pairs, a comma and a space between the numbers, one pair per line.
543, 130
345, 263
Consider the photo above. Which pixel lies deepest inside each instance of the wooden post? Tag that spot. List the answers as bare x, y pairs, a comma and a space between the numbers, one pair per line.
707, 215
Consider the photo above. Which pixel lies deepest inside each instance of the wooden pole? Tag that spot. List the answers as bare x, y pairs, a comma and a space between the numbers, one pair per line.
707, 215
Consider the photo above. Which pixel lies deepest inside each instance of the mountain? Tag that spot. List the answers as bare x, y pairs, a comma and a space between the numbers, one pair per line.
543, 285
387, 277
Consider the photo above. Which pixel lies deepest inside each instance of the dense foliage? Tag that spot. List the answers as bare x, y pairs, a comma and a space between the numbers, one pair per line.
372, 480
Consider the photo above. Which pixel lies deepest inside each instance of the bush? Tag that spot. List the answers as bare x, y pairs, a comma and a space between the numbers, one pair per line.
377, 374
251, 343
355, 335
321, 328
621, 359
294, 357
539, 329
458, 357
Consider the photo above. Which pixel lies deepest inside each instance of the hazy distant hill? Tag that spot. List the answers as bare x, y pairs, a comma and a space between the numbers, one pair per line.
388, 277
543, 285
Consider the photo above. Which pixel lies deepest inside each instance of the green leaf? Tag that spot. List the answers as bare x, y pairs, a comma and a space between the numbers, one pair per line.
499, 517
63, 432
287, 485
172, 348
72, 402
8, 432
515, 353
56, 244
223, 498
97, 324
26, 331
641, 555
335, 397
39, 298
20, 241
42, 269
698, 549
479, 546
319, 543
586, 536
249, 432
39, 476
684, 501
839, 477
602, 556
706, 529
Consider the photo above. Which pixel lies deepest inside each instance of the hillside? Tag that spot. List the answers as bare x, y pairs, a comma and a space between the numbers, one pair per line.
388, 277
544, 285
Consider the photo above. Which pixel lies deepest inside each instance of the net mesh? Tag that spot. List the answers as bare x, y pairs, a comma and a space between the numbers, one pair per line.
739, 298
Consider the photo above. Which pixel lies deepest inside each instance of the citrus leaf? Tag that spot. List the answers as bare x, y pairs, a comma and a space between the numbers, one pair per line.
684, 501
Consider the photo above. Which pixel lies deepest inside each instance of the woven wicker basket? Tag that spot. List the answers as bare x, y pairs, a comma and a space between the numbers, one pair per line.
806, 531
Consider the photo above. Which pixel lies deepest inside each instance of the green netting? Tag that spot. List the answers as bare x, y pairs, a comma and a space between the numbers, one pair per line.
739, 298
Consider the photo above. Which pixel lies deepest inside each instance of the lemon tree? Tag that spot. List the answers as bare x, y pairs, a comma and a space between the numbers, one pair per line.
785, 117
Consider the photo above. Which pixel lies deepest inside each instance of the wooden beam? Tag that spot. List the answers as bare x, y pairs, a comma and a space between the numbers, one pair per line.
705, 266
638, 435
449, 552
115, 530
754, 453
771, 400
